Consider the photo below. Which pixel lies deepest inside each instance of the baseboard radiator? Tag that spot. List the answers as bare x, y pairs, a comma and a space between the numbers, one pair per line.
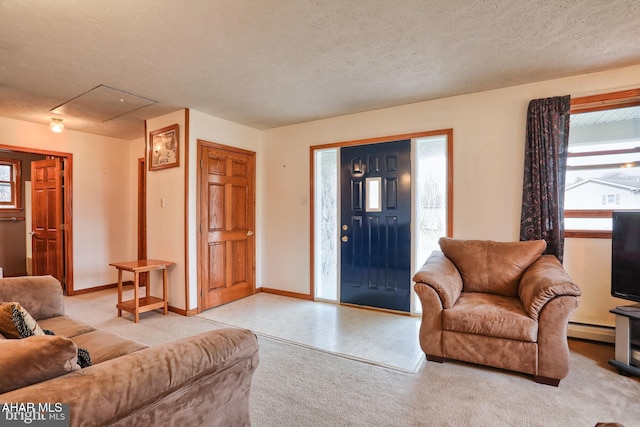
591, 332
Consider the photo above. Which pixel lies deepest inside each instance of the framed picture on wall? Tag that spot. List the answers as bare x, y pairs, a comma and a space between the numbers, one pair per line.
164, 148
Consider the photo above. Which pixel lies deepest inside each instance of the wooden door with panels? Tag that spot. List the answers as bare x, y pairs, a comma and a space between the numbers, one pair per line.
226, 255
47, 223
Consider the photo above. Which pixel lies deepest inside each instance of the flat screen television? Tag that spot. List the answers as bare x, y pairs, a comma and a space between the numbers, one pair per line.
625, 255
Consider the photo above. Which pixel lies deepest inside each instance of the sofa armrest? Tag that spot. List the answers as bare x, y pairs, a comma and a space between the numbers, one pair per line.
439, 273
544, 280
136, 387
41, 296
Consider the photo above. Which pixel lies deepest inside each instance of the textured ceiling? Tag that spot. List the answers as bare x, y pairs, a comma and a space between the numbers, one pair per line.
272, 63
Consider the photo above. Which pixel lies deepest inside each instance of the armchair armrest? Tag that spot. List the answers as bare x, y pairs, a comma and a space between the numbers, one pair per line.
543, 281
41, 296
439, 273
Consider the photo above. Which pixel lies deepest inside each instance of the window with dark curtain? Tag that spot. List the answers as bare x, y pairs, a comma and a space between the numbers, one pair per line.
547, 139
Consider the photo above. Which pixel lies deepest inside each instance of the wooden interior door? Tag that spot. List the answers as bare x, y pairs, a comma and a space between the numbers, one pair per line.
47, 222
227, 223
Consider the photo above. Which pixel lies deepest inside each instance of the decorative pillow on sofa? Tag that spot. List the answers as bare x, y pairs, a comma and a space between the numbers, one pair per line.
35, 359
16, 323
491, 267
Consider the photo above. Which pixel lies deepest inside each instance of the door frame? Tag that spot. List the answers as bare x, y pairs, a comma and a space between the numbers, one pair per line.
142, 216
201, 204
368, 141
67, 233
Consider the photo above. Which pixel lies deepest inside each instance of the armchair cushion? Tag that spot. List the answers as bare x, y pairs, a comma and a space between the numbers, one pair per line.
491, 267
490, 315
543, 281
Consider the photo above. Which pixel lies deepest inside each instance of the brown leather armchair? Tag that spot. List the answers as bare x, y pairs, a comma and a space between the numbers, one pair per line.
500, 304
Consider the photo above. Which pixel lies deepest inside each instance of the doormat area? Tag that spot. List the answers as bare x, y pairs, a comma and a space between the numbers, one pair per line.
384, 339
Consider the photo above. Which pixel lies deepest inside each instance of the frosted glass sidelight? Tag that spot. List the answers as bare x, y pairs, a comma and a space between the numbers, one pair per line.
326, 224
430, 195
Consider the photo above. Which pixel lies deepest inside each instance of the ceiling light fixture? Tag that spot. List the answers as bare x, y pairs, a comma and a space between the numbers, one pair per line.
56, 125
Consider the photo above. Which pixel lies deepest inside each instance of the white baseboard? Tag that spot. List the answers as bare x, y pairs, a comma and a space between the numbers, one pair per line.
591, 332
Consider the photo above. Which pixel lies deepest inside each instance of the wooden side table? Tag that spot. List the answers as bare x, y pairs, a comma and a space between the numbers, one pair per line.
147, 303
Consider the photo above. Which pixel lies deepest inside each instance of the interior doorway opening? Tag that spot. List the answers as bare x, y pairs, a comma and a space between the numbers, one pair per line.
23, 246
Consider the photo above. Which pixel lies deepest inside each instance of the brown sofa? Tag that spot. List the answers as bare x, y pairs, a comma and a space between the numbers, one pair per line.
203, 380
500, 304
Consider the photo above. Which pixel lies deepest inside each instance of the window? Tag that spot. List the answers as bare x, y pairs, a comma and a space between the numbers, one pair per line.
611, 199
603, 164
10, 178
373, 194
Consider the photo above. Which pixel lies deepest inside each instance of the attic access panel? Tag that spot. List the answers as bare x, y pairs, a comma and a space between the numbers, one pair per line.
102, 103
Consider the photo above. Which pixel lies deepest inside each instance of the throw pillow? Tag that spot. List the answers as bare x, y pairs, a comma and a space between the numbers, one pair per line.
16, 322
35, 359
491, 267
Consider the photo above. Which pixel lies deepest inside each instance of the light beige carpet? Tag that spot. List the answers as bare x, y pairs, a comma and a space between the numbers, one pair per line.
99, 309
298, 386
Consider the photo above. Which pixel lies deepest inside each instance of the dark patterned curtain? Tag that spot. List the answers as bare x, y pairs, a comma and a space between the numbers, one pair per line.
545, 163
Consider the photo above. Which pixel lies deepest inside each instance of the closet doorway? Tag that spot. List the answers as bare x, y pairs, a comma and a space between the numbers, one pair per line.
37, 233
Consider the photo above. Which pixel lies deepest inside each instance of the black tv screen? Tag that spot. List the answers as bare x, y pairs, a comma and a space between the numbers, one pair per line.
625, 255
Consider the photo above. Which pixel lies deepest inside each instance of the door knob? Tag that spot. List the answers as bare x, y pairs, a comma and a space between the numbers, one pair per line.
249, 233
345, 239
31, 233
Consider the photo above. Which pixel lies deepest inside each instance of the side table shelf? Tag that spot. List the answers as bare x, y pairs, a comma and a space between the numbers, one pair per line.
138, 304
144, 304
627, 350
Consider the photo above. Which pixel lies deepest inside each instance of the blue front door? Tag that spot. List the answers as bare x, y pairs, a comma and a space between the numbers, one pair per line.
375, 225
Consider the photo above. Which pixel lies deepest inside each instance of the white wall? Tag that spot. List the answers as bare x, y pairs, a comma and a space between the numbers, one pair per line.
165, 223
102, 224
488, 138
